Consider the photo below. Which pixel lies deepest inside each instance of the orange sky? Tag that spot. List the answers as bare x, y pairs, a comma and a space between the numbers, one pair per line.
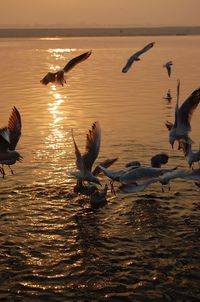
99, 12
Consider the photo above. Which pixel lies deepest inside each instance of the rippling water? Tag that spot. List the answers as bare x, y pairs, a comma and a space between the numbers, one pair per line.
54, 246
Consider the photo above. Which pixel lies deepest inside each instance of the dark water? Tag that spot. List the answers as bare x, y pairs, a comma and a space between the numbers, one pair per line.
54, 246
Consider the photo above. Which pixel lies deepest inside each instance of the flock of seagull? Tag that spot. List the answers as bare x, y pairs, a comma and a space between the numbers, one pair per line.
131, 178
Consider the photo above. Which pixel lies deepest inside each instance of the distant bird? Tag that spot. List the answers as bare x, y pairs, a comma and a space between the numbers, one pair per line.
135, 56
181, 127
9, 137
191, 156
85, 162
58, 77
98, 198
168, 66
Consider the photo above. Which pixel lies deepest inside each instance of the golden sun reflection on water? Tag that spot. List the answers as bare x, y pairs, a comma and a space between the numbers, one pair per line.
58, 53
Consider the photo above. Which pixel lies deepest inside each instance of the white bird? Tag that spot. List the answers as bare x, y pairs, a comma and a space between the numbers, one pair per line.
85, 162
143, 173
164, 179
135, 56
115, 175
183, 114
58, 77
168, 66
9, 137
89, 189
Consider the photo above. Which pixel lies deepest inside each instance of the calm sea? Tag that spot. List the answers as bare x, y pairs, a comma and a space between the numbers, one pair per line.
53, 245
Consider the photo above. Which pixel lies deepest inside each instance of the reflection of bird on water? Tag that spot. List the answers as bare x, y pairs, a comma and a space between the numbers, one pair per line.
135, 56
168, 97
58, 77
181, 127
9, 137
168, 66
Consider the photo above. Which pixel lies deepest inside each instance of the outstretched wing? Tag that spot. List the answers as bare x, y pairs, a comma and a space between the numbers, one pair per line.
4, 139
135, 56
128, 64
106, 164
144, 49
14, 126
93, 142
50, 77
187, 108
79, 160
76, 60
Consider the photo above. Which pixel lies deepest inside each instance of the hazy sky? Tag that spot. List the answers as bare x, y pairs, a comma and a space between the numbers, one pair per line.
99, 12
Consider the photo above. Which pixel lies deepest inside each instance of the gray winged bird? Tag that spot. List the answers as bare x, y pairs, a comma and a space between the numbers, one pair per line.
135, 56
9, 137
192, 156
179, 130
168, 66
85, 162
58, 77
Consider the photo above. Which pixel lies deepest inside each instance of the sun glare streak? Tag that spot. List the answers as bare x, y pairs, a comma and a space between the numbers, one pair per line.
60, 50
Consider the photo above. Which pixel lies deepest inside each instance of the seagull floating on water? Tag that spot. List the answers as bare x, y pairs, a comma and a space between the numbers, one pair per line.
168, 66
183, 114
58, 77
135, 56
9, 137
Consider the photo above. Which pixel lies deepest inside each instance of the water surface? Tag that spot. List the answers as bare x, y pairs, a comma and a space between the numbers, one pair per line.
54, 246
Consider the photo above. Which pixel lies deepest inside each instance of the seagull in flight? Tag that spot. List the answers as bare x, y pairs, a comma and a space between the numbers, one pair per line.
168, 66
85, 162
181, 127
9, 137
58, 77
135, 56
141, 178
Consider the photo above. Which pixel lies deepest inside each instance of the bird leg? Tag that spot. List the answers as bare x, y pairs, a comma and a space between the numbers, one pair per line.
2, 171
11, 169
112, 188
163, 189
